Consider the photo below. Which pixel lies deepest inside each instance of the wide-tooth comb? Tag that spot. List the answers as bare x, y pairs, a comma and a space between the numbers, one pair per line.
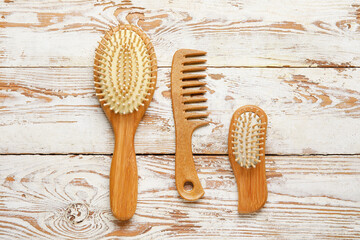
187, 96
247, 134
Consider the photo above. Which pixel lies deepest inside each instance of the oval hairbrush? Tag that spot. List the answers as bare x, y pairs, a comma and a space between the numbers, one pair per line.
125, 74
247, 136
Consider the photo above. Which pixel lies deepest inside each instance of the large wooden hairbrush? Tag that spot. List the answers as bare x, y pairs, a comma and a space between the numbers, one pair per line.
125, 73
188, 114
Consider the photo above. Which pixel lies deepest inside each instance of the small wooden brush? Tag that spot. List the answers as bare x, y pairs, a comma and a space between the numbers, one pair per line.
125, 74
246, 143
188, 114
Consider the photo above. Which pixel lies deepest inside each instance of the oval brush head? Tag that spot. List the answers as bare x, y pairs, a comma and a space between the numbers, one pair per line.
125, 67
125, 73
247, 135
248, 139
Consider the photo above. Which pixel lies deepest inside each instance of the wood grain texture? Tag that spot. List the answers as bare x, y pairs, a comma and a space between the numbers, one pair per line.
236, 33
54, 110
52, 197
310, 111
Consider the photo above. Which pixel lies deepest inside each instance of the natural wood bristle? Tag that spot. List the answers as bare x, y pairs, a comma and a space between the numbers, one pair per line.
248, 135
124, 69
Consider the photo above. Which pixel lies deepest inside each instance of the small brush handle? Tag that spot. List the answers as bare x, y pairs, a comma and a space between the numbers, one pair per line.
123, 174
185, 171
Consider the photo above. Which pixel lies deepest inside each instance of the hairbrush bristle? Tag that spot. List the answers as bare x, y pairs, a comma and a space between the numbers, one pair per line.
124, 70
248, 139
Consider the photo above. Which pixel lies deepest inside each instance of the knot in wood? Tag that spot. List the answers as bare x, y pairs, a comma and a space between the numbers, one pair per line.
76, 213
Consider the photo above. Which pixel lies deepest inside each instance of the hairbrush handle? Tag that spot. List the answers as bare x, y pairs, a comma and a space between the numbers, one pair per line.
185, 172
123, 173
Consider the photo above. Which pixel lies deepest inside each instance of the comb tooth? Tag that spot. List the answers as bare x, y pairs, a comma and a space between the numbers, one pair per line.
193, 76
193, 84
193, 68
194, 107
189, 61
192, 115
199, 123
192, 91
193, 53
194, 99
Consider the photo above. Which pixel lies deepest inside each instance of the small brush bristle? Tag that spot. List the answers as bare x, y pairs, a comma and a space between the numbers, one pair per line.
125, 69
248, 139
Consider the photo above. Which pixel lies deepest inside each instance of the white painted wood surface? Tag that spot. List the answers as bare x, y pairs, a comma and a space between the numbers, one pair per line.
235, 33
309, 198
47, 106
311, 111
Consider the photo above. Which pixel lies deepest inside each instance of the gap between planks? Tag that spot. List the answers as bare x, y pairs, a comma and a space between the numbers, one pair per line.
209, 66
168, 154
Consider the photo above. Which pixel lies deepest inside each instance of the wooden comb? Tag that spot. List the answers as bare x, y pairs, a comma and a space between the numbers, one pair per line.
188, 114
246, 143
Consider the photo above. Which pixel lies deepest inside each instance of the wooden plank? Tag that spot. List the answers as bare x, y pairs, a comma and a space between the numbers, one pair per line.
311, 111
235, 33
309, 198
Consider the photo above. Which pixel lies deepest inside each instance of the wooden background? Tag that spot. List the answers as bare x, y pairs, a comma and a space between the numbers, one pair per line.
298, 60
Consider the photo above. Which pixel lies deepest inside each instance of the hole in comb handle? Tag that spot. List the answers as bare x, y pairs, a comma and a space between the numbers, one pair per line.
188, 186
